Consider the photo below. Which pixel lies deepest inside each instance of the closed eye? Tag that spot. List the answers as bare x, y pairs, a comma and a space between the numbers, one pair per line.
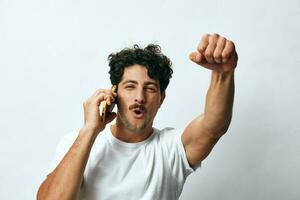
129, 86
151, 89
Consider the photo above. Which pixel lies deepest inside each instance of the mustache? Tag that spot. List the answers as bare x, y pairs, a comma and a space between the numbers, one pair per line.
139, 106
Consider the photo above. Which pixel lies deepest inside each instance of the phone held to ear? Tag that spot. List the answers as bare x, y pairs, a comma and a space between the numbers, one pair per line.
104, 108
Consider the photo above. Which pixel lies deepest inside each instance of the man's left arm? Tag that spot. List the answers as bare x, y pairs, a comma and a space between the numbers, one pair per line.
217, 54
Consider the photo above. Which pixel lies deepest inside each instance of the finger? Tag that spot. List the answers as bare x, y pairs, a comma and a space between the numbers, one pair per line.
115, 94
209, 52
203, 43
107, 91
196, 57
110, 100
98, 91
227, 51
98, 99
219, 49
108, 95
111, 93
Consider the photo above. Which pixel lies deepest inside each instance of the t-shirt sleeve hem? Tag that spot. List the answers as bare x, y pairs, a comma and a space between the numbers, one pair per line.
187, 165
61, 149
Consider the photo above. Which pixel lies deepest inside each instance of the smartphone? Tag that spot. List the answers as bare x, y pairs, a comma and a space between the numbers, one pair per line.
104, 108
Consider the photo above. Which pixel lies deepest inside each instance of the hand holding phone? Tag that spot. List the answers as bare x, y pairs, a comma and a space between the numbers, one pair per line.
106, 109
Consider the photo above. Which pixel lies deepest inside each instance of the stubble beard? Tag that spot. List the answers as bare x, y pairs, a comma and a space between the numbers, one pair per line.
135, 129
124, 120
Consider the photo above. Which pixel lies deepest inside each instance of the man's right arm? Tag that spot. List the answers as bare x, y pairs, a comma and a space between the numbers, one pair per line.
65, 180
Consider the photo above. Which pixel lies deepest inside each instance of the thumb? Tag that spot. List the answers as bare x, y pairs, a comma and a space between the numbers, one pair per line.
196, 57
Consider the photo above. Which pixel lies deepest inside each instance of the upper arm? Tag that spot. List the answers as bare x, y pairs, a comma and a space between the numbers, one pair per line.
198, 141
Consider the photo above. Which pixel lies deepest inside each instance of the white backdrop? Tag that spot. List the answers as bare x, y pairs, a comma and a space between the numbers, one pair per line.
53, 55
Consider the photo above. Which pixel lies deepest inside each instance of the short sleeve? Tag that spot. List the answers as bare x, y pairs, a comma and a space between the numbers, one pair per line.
62, 148
182, 153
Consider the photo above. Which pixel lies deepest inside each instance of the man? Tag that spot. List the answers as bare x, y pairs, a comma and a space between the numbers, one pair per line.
131, 159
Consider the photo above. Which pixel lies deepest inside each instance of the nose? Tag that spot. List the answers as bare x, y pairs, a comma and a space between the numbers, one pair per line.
140, 97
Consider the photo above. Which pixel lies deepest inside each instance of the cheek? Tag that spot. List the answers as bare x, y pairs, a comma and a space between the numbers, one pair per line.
121, 103
155, 105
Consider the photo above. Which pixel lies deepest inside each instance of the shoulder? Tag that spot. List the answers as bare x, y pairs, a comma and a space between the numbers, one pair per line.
174, 149
65, 141
69, 136
169, 135
169, 132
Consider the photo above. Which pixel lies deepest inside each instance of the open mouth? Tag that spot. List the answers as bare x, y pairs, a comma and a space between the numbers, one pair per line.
137, 113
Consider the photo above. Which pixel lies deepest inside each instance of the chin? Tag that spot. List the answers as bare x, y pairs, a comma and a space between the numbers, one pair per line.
137, 127
134, 125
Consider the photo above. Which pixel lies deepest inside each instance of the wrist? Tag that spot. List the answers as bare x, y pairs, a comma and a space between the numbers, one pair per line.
222, 76
92, 132
224, 73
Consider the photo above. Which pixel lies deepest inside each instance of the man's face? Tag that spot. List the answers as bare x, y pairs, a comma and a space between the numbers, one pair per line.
139, 98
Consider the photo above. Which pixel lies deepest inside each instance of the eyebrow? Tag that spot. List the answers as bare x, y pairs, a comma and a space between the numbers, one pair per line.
146, 83
129, 81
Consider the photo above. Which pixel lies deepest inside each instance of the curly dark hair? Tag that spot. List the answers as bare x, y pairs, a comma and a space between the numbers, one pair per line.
158, 65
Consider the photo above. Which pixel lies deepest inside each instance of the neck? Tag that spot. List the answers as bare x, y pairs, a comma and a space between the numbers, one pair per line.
126, 135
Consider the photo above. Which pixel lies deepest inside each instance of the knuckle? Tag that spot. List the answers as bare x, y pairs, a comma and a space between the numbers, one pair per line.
230, 43
225, 55
208, 54
222, 40
205, 36
221, 37
215, 35
217, 55
111, 93
98, 91
200, 48
85, 103
89, 101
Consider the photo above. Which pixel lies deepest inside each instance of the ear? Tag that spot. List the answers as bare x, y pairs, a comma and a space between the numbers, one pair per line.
162, 98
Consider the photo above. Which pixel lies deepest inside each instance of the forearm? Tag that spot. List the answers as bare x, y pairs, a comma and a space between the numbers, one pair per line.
65, 181
219, 103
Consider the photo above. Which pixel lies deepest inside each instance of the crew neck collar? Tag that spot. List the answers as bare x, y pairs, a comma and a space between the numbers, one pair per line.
117, 141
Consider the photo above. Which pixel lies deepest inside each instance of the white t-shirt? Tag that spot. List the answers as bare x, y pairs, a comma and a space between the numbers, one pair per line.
155, 168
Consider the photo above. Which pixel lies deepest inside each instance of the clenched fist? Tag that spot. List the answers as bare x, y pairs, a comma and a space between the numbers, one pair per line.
216, 53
